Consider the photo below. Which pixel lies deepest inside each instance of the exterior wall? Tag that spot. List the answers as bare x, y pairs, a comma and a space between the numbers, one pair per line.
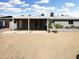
12, 25
76, 23
64, 23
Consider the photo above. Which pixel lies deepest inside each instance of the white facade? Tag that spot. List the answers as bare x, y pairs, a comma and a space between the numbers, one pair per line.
76, 23
12, 25
64, 23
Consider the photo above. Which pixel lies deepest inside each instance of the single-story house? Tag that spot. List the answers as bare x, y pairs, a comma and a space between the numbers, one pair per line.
36, 23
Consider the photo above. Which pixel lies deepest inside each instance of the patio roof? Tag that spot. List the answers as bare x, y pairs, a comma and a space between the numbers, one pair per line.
43, 17
32, 17
5, 17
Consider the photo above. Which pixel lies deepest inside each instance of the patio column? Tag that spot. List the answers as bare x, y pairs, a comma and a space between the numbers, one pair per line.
47, 24
3, 23
28, 24
13, 24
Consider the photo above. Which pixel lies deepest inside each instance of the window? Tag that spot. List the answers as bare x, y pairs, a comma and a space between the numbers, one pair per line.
70, 21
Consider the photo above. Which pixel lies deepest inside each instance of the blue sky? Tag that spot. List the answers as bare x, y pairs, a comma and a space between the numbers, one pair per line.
36, 7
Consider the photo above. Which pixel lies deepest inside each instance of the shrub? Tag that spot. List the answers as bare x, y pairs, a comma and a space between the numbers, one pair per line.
76, 27
58, 26
67, 27
50, 24
72, 26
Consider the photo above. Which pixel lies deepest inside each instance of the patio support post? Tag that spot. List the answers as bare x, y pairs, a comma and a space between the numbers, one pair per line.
47, 24
3, 23
13, 23
28, 24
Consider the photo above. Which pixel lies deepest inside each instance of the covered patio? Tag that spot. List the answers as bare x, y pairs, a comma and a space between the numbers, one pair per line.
25, 23
31, 23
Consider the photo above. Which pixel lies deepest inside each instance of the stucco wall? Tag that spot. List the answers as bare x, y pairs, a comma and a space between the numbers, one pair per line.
64, 23
76, 23
12, 25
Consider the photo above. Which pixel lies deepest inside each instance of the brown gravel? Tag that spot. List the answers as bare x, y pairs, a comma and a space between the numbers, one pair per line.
61, 45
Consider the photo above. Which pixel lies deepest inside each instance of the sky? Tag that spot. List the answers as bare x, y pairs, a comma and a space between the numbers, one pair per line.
37, 7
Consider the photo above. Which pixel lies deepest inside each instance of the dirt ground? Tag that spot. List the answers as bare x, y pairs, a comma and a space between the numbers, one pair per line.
61, 45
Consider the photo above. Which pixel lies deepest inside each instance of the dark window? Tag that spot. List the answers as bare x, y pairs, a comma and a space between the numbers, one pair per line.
70, 21
77, 57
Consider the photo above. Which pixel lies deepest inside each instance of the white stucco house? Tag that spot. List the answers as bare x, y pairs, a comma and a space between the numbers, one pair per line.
37, 22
